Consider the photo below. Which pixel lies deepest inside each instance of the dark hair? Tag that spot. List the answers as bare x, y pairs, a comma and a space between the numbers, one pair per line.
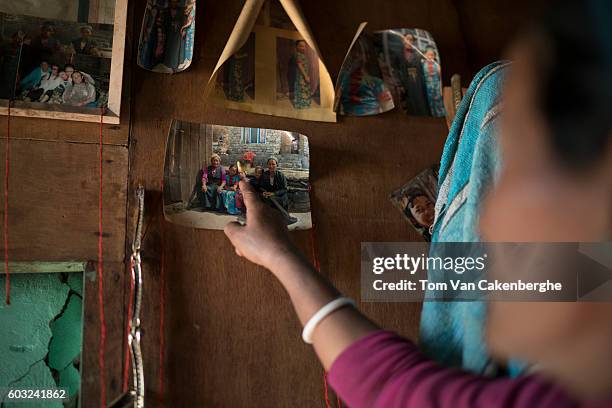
574, 77
412, 194
299, 41
69, 65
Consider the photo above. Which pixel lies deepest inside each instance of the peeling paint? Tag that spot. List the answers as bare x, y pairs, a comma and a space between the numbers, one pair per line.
41, 333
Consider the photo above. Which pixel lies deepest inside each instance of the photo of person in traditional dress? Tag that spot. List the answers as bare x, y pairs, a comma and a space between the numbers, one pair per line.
300, 76
404, 62
237, 76
230, 194
297, 74
211, 181
166, 39
416, 200
361, 88
433, 83
188, 33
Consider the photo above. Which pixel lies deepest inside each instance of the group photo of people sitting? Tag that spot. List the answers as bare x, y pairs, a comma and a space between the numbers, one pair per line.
54, 62
217, 187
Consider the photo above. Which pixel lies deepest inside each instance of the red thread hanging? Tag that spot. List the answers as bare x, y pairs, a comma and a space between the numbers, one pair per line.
317, 265
162, 299
100, 274
327, 404
6, 205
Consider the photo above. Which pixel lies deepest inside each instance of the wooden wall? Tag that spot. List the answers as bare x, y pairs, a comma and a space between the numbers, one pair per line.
231, 337
189, 146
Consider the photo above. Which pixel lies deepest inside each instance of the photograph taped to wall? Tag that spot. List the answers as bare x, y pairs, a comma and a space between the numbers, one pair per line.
167, 36
361, 89
204, 164
410, 64
416, 200
268, 66
62, 59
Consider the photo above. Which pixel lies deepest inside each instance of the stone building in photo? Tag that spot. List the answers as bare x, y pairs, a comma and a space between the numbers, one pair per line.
289, 148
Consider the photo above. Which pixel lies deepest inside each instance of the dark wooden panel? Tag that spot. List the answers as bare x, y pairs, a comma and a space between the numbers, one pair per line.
231, 335
231, 338
53, 200
113, 284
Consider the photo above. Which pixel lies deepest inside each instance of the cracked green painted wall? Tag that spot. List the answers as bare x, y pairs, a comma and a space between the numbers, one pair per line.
41, 334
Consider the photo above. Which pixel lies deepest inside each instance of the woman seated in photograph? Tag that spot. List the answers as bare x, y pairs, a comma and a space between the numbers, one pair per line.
211, 180
273, 185
80, 92
44, 90
230, 194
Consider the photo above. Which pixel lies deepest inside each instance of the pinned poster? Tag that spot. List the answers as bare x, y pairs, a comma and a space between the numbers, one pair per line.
271, 65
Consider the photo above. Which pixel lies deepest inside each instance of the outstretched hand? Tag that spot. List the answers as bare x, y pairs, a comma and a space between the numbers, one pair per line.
265, 236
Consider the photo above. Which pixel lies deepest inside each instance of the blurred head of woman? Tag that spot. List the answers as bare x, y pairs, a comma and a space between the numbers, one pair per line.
556, 186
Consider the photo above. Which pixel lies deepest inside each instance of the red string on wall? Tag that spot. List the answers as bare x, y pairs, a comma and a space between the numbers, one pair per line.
317, 265
7, 155
162, 299
102, 343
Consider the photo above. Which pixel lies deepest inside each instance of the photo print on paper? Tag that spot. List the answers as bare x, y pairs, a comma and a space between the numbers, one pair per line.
411, 63
205, 163
167, 36
416, 200
54, 62
268, 66
391, 68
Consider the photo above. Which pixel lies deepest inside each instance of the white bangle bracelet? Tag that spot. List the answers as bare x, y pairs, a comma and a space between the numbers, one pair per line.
325, 311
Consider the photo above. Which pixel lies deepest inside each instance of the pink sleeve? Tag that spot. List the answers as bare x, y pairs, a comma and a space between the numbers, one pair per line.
385, 370
204, 176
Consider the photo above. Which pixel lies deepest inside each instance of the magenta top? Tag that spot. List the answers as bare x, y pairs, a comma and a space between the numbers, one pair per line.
383, 369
